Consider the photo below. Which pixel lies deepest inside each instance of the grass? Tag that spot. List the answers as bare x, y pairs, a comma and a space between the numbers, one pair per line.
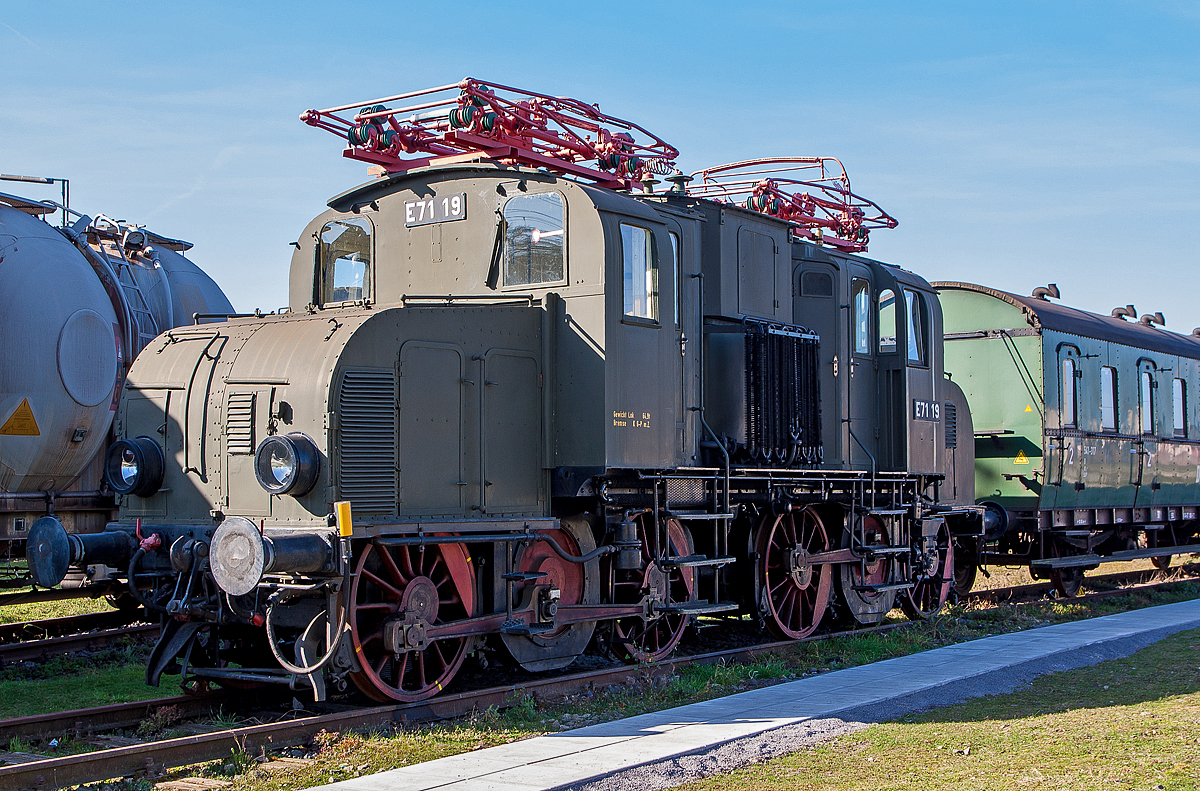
36, 611
116, 675
342, 756
1130, 723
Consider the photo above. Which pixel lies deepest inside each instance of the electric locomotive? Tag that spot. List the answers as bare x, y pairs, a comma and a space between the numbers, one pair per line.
1086, 438
523, 403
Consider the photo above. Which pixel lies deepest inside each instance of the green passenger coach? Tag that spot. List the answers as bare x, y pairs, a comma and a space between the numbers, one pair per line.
1087, 432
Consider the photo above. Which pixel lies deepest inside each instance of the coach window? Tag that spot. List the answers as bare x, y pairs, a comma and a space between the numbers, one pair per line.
1147, 402
887, 321
862, 316
345, 256
1180, 405
918, 327
534, 240
639, 254
1108, 398
1068, 392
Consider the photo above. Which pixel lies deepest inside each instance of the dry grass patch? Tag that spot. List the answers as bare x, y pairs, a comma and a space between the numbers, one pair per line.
1132, 723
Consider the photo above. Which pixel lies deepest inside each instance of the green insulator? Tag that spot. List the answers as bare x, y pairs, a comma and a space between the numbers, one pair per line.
610, 161
375, 108
460, 117
488, 122
386, 138
359, 135
632, 165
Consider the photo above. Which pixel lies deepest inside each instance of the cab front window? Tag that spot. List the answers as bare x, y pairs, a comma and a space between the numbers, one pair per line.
345, 258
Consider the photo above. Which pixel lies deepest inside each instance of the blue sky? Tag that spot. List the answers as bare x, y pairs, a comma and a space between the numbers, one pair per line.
1018, 143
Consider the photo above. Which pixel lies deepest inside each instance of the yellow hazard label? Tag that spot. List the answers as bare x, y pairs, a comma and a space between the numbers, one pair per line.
1021, 458
21, 423
1029, 407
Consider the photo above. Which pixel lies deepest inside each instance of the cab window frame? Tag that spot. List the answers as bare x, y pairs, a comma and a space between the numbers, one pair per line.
916, 306
1109, 417
563, 233
653, 261
1069, 393
326, 271
861, 309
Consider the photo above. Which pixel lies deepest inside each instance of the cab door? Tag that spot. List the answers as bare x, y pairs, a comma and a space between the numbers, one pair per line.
816, 306
863, 441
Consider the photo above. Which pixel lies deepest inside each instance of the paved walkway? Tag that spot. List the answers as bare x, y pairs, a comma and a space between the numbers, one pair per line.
874, 692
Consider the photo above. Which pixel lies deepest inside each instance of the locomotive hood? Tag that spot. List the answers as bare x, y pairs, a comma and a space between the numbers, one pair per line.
392, 421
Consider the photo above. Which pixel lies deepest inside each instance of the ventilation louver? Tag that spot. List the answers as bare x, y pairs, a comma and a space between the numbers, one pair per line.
366, 460
783, 399
239, 424
951, 425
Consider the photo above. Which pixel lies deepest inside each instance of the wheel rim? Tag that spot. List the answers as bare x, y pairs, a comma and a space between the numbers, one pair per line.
436, 583
1067, 581
867, 607
929, 594
654, 640
794, 594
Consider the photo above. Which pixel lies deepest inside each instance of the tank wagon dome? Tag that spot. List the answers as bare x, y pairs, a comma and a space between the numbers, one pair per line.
1043, 314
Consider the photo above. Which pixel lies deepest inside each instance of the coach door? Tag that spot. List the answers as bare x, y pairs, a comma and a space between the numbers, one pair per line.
1144, 470
816, 306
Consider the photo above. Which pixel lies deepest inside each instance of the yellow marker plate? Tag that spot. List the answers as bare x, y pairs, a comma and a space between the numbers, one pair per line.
344, 520
21, 423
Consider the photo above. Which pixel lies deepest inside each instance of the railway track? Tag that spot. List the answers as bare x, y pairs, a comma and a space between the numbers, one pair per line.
154, 758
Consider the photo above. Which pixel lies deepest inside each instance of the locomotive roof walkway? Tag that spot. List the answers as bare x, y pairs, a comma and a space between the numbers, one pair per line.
867, 693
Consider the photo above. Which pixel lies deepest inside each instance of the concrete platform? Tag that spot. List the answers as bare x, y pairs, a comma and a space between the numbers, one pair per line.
868, 693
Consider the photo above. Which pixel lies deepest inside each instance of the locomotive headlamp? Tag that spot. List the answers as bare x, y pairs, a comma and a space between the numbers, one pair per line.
134, 466
287, 464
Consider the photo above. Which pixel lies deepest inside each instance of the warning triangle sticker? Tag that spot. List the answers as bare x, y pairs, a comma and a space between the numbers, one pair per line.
1021, 458
21, 423
1029, 407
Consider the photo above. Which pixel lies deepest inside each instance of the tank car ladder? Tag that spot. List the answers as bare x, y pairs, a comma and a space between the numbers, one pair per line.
144, 327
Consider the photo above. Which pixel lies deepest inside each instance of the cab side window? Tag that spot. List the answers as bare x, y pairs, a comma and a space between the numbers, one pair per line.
1180, 404
534, 239
861, 299
639, 254
1147, 402
918, 328
345, 260
887, 321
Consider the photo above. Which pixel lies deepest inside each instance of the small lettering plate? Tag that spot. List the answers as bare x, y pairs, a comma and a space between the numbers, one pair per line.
927, 410
440, 208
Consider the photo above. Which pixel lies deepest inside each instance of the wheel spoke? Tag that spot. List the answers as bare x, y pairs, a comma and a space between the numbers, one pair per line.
380, 582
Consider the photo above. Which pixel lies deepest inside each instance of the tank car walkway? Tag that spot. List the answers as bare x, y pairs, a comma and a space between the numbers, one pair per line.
867, 693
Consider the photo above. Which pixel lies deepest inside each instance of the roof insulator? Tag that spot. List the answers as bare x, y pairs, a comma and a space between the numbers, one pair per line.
1051, 290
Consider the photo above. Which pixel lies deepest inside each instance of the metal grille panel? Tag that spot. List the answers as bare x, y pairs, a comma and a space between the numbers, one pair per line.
686, 492
239, 424
951, 425
783, 399
367, 441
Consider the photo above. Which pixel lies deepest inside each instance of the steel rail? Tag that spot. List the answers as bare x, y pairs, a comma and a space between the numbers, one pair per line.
111, 717
154, 758
71, 624
32, 650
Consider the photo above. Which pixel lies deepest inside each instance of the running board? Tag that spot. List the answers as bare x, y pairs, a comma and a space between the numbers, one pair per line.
697, 607
901, 586
1128, 554
692, 561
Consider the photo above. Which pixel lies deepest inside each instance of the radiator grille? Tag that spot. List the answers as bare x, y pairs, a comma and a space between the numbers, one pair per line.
951, 425
367, 440
239, 424
783, 399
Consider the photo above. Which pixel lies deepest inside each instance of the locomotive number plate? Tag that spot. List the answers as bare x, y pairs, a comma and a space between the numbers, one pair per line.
927, 410
440, 208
